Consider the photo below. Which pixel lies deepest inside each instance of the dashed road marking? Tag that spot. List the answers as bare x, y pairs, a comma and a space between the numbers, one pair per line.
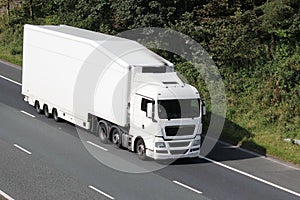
26, 113
22, 149
6, 196
187, 187
99, 191
95, 145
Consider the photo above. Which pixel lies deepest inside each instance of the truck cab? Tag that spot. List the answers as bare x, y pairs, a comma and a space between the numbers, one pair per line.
165, 117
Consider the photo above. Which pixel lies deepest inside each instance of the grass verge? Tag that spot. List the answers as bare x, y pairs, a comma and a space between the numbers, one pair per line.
7, 56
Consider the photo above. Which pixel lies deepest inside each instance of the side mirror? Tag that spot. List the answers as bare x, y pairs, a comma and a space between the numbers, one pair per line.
203, 108
149, 112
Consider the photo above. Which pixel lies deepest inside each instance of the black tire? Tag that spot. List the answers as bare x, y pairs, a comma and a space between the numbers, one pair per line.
140, 149
103, 133
116, 137
46, 111
37, 107
55, 115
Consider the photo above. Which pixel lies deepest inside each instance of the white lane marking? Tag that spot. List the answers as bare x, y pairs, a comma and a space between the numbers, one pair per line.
99, 191
6, 196
26, 113
21, 148
187, 187
95, 145
252, 176
15, 82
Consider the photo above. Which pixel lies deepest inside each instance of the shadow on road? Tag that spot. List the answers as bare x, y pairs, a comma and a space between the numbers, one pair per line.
238, 145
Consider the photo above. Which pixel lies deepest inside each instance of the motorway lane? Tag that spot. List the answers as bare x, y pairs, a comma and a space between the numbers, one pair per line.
223, 184
214, 181
25, 177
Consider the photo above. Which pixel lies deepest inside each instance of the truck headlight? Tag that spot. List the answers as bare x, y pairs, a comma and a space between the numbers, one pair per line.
196, 143
160, 145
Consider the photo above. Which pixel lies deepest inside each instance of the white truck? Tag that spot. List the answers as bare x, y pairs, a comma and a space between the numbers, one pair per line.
114, 87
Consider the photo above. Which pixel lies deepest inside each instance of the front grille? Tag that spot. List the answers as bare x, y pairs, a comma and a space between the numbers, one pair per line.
174, 152
161, 151
180, 130
179, 144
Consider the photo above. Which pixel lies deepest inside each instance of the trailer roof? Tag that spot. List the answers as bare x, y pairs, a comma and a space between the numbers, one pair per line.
131, 52
82, 33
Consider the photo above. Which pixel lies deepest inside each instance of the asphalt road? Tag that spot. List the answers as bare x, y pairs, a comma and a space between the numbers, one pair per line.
42, 159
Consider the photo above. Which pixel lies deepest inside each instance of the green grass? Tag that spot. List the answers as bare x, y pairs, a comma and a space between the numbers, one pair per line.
254, 127
263, 109
5, 54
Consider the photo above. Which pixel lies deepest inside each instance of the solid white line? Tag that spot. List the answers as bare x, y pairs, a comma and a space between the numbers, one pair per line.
26, 113
15, 82
99, 191
251, 176
188, 187
6, 196
21, 148
95, 145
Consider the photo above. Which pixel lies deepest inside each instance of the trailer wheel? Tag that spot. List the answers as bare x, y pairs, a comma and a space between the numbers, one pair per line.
140, 149
116, 137
37, 107
46, 111
103, 133
55, 115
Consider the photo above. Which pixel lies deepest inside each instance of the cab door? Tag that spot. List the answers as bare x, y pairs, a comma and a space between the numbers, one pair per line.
139, 122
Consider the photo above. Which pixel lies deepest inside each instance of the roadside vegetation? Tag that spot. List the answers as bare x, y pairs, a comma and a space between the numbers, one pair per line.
255, 45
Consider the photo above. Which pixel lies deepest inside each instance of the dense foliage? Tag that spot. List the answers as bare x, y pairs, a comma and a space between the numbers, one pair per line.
255, 44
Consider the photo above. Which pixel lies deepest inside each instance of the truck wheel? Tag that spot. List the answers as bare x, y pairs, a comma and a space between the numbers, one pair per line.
103, 133
55, 115
141, 149
46, 111
116, 137
37, 107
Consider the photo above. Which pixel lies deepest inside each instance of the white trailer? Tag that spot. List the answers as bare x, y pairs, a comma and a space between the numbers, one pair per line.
112, 86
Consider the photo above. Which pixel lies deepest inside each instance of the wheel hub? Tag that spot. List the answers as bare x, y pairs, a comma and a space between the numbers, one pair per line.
116, 138
141, 149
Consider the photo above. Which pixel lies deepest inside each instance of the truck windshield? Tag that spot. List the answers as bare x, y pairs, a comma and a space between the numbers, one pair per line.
178, 108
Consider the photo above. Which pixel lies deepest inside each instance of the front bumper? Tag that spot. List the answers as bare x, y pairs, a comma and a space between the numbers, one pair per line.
175, 149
